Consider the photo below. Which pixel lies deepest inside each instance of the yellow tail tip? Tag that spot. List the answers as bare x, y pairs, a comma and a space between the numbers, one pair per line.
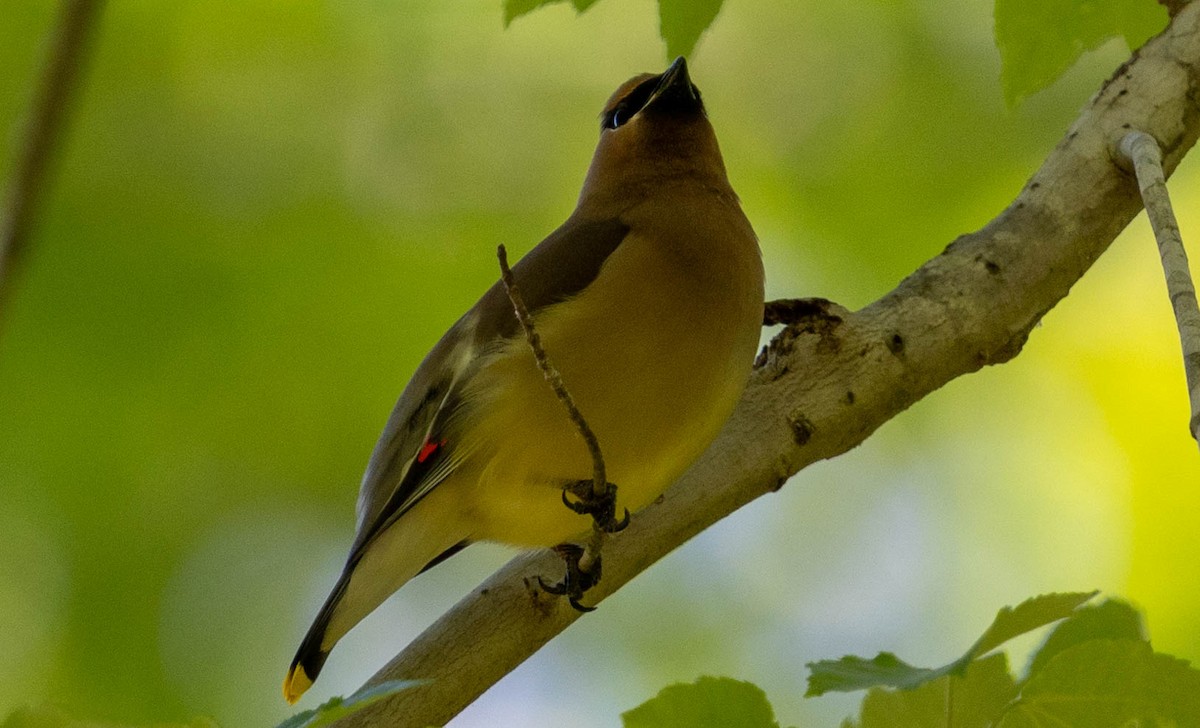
295, 684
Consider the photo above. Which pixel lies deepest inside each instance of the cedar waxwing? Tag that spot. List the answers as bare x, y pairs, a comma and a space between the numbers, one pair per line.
648, 300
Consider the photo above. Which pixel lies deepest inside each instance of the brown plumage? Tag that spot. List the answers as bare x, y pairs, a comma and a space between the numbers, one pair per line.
648, 300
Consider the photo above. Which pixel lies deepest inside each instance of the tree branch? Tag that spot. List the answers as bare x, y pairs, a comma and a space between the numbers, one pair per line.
47, 115
820, 390
1143, 154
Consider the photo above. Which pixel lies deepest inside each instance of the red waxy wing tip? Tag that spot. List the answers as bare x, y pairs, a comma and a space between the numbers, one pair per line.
427, 449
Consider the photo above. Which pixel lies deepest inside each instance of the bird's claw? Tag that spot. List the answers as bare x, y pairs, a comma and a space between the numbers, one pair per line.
602, 508
576, 581
618, 526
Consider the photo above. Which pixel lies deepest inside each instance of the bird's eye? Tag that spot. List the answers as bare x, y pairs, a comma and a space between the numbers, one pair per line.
631, 104
618, 117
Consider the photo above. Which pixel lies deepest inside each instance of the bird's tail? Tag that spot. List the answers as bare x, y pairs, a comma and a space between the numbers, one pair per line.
310, 657
367, 594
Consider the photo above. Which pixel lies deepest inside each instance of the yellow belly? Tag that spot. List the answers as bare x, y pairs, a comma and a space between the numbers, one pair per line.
655, 367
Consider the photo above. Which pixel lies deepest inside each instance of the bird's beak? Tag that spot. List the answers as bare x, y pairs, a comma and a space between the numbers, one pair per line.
675, 91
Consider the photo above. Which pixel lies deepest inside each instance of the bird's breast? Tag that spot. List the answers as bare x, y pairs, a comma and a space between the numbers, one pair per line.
655, 353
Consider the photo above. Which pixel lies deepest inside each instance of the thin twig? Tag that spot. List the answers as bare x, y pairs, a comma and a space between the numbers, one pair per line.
1144, 153
599, 478
47, 115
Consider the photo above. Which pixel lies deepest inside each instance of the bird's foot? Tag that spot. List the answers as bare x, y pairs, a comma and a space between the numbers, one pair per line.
602, 508
576, 581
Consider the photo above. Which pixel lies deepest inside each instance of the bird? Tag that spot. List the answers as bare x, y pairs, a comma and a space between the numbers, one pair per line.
648, 300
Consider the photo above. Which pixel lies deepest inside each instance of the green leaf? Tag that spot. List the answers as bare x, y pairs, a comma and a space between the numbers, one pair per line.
1111, 620
681, 22
1040, 39
856, 673
336, 707
977, 699
710, 702
1027, 616
1106, 683
514, 9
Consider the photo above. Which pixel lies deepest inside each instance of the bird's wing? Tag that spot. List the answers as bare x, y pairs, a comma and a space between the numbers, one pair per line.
417, 449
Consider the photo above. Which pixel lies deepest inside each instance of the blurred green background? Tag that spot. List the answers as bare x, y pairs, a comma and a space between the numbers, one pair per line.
267, 212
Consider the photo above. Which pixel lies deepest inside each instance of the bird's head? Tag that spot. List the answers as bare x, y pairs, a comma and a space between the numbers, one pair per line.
652, 129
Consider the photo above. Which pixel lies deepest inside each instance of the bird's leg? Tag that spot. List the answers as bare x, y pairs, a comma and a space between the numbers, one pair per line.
583, 564
602, 508
576, 581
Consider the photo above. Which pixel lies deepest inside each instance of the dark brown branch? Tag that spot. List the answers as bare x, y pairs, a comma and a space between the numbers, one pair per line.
47, 117
817, 394
599, 477
799, 311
